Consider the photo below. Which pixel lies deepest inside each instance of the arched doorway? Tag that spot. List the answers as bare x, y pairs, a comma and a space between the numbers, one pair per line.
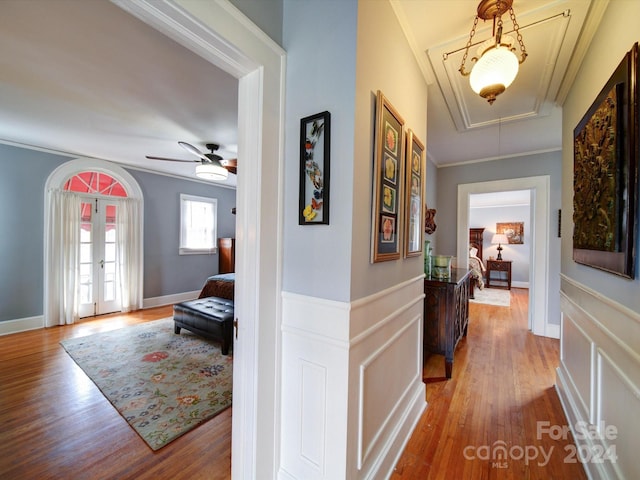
93, 247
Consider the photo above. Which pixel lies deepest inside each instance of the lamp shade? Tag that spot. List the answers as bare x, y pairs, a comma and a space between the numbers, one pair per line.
211, 171
494, 71
499, 238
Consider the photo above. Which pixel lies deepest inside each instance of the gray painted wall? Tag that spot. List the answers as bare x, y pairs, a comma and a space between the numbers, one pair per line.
616, 35
317, 257
166, 272
518, 167
23, 174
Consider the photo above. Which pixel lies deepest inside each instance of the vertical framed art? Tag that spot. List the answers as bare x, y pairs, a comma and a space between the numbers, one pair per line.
414, 168
605, 175
315, 146
386, 222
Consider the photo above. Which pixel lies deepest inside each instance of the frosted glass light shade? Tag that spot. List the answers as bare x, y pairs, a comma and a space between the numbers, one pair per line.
494, 71
210, 171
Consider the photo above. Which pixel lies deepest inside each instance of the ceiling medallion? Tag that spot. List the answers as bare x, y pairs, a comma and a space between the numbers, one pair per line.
495, 65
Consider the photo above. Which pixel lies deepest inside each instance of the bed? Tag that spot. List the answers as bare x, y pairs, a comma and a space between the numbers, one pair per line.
221, 286
477, 268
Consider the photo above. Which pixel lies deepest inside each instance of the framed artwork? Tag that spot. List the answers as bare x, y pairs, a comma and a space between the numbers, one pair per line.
315, 135
605, 175
388, 182
414, 167
513, 230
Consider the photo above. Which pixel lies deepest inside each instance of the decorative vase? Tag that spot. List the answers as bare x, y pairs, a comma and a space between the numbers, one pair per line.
427, 258
441, 266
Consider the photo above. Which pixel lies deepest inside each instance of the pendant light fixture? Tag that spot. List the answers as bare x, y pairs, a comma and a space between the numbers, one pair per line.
495, 65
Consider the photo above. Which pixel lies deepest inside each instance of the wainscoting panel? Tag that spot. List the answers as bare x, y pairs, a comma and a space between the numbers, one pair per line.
600, 353
577, 351
385, 370
352, 387
315, 356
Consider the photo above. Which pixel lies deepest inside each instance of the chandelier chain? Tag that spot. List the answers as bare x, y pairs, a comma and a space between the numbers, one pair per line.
516, 27
466, 51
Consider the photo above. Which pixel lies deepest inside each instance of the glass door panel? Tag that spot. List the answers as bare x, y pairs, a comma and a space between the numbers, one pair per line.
98, 288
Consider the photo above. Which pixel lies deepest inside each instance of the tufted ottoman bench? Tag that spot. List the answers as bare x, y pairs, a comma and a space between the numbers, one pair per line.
210, 317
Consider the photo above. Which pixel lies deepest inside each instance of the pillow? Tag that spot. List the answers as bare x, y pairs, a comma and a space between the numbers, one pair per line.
473, 251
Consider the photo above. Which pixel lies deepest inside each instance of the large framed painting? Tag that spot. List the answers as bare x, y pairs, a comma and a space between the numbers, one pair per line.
388, 182
414, 168
605, 184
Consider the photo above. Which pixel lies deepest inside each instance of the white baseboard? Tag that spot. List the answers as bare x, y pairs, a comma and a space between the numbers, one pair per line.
34, 323
21, 325
169, 299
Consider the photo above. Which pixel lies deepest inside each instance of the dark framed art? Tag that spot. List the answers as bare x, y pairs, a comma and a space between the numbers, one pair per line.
315, 161
605, 171
387, 182
414, 168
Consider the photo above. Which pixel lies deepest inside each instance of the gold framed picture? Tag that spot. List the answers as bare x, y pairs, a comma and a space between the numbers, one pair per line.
387, 213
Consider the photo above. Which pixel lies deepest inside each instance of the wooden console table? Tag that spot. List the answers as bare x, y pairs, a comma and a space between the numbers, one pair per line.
446, 314
502, 271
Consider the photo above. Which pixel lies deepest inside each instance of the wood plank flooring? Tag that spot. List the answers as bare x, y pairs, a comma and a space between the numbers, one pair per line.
55, 424
502, 385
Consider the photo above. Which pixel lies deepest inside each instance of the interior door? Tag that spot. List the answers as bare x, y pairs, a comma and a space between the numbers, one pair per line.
98, 286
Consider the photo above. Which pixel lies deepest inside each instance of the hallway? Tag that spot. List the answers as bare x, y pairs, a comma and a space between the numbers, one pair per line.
500, 400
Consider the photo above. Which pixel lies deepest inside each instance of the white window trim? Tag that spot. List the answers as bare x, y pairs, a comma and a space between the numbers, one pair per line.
183, 250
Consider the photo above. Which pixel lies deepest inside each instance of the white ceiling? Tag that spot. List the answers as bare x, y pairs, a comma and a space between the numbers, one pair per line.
514, 198
89, 79
527, 117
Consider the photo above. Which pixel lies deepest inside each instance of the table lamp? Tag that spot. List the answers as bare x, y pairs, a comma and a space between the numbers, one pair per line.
499, 239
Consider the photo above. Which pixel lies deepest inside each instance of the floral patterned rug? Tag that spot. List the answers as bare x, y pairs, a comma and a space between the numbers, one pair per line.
163, 384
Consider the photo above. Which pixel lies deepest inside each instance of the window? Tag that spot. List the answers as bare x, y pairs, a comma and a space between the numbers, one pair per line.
198, 225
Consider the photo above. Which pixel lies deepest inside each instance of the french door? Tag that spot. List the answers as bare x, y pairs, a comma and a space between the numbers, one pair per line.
98, 286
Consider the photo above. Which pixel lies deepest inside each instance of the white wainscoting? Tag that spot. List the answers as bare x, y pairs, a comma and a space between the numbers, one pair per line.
598, 380
352, 387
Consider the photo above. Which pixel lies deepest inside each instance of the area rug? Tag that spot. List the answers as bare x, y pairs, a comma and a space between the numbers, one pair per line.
163, 384
492, 296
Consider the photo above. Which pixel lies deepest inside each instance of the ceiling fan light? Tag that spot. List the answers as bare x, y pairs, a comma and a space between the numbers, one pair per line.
210, 171
494, 72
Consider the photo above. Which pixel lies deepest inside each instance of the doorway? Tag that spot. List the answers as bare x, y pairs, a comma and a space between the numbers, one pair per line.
104, 218
99, 284
539, 255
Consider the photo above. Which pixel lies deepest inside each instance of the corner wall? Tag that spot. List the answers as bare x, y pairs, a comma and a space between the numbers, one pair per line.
599, 374
352, 331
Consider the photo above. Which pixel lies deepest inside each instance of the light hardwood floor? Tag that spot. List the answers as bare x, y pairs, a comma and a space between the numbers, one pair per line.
55, 424
502, 386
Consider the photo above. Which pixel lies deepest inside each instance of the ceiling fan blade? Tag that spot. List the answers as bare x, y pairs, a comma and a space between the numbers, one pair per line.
191, 149
172, 159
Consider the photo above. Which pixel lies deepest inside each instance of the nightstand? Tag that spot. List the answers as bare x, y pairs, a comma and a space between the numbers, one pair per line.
499, 271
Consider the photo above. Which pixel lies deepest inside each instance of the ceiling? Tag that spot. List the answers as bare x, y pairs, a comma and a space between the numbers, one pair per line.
88, 79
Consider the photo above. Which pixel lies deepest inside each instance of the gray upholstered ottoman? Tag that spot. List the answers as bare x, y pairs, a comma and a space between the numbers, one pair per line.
210, 317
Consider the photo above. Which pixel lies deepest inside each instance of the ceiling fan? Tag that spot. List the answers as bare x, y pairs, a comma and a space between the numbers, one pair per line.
212, 166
